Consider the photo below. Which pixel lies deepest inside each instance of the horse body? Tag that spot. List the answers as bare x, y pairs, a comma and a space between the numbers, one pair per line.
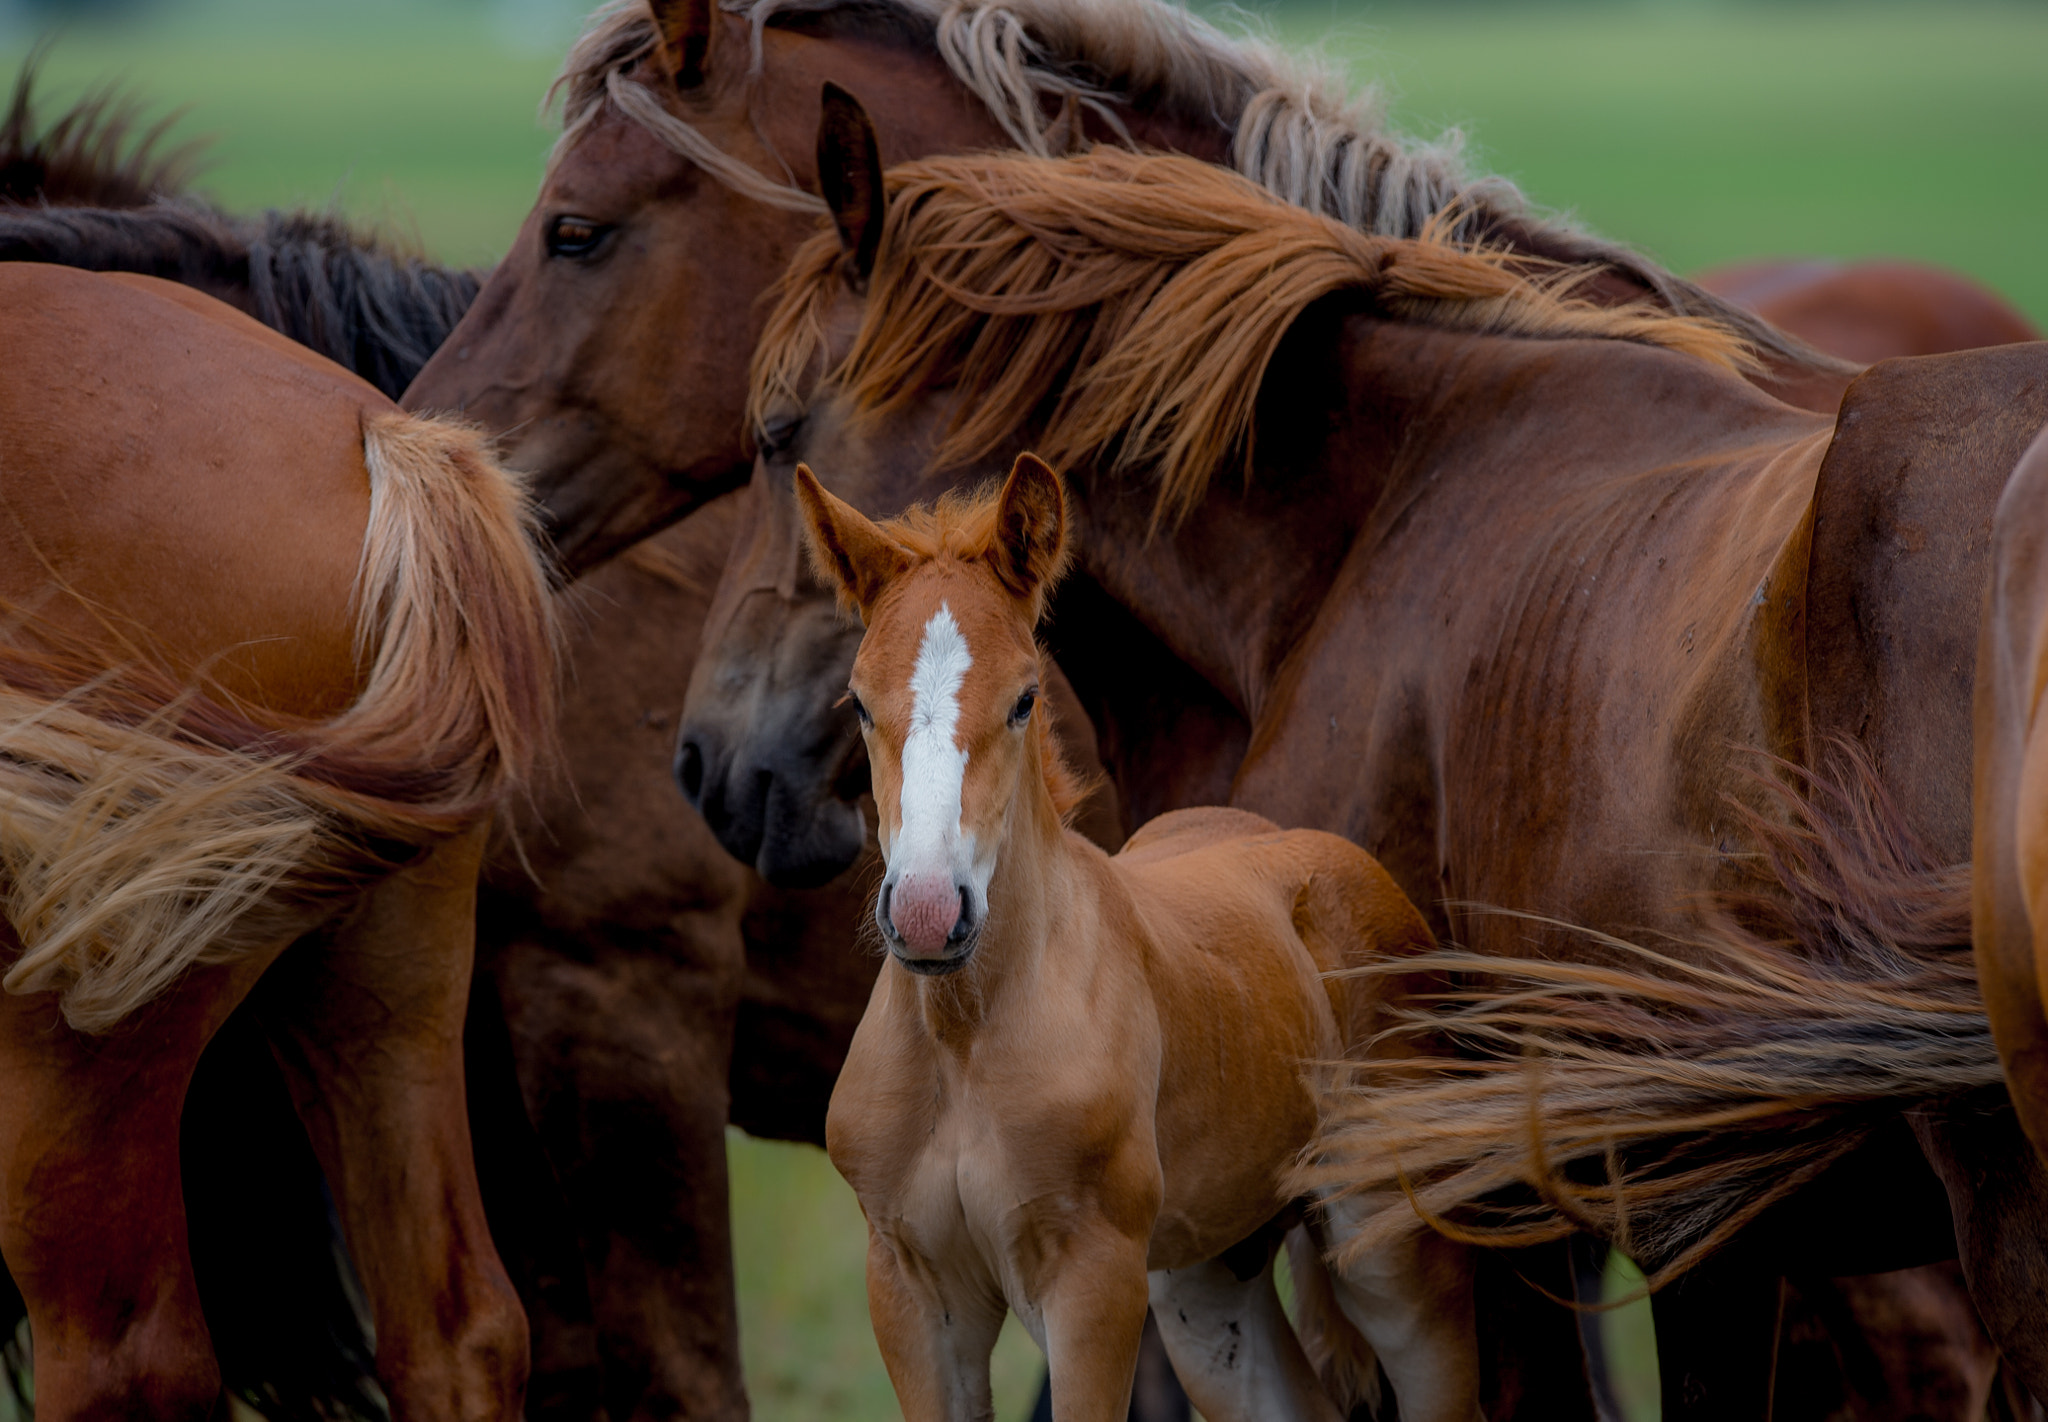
275, 653
1559, 737
1099, 1074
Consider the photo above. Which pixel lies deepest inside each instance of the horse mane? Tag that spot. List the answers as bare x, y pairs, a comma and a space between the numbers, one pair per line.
97, 154
960, 527
81, 193
1295, 127
1137, 298
353, 297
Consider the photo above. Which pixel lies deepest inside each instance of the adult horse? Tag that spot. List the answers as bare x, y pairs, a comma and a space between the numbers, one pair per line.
274, 655
1753, 506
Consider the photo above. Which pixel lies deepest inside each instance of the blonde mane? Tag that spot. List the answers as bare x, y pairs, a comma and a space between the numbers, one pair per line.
1295, 127
1134, 302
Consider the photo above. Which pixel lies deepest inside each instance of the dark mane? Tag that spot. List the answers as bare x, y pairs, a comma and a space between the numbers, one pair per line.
97, 154
81, 193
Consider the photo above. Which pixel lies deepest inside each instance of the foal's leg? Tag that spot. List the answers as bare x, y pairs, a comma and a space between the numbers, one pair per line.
1092, 1305
1412, 1301
92, 1213
936, 1345
367, 1017
1231, 1343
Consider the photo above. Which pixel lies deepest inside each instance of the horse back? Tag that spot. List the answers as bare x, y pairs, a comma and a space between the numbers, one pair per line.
1326, 904
1901, 544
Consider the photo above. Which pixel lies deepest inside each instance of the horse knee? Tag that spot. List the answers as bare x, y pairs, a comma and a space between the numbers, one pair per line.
161, 1366
477, 1366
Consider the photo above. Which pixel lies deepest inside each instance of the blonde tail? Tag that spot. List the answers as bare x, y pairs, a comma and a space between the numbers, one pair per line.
146, 828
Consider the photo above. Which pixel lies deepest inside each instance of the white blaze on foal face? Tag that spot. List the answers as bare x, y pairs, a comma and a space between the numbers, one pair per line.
933, 886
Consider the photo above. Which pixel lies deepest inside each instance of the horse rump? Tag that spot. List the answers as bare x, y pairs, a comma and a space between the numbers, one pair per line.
148, 827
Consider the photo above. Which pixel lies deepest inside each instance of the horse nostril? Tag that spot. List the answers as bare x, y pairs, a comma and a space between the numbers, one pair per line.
961, 927
690, 770
887, 922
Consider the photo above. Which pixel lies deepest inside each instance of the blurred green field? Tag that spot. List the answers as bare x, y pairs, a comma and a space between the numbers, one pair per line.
1703, 132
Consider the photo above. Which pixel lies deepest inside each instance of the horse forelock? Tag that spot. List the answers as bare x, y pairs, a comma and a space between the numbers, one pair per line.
1133, 303
956, 534
1295, 127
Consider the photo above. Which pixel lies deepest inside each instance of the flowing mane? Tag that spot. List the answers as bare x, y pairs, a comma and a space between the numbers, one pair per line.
1295, 127
1140, 299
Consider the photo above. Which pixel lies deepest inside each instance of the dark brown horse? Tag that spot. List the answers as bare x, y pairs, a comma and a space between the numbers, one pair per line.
274, 654
1724, 483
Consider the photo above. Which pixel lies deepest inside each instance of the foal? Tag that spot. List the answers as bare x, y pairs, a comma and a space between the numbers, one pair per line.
1078, 1071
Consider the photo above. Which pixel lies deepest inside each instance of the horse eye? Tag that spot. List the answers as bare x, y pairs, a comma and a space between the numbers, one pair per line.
576, 236
867, 722
1021, 712
778, 433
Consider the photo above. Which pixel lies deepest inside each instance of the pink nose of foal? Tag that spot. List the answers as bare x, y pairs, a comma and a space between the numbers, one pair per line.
923, 908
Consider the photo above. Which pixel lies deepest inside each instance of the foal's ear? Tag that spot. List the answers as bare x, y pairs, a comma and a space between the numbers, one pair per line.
685, 29
850, 177
848, 549
1030, 547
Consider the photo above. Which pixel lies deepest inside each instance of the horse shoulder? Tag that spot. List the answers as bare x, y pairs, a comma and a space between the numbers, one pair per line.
1901, 542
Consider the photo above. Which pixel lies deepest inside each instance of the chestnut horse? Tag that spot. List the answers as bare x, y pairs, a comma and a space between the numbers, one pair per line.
1079, 1072
2009, 911
1724, 490
275, 654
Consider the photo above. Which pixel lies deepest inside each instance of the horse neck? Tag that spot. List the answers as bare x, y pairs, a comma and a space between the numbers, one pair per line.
1231, 589
1031, 903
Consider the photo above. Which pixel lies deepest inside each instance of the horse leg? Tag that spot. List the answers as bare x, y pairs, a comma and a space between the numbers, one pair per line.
1412, 1301
367, 1018
1998, 1193
623, 1056
93, 1223
936, 1347
1230, 1341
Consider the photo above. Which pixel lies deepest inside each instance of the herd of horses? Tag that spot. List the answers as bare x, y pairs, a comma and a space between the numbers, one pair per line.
1646, 686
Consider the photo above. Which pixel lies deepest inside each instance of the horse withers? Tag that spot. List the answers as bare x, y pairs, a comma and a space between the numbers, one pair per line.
274, 653
1081, 1077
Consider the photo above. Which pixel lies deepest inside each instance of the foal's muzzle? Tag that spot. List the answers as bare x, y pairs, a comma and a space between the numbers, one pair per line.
930, 927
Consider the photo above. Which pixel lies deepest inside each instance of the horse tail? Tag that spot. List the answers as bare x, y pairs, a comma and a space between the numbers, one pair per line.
1343, 1360
1664, 1101
147, 828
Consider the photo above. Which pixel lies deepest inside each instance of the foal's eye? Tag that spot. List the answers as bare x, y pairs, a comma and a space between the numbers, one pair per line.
867, 722
576, 236
1021, 712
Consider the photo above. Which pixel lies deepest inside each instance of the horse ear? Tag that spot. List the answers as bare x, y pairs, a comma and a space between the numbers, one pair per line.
685, 29
850, 177
1029, 550
1066, 134
846, 547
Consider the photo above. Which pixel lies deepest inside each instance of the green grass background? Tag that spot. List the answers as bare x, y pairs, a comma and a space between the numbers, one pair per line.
1703, 132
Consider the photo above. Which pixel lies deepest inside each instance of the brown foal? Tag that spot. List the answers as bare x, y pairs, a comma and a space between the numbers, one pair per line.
1081, 1072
